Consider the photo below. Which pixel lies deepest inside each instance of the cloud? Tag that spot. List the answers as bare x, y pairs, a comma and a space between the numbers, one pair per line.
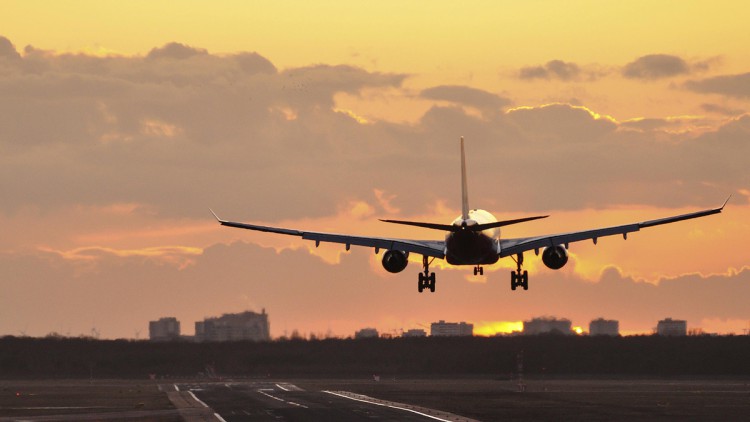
563, 122
463, 95
554, 69
669, 123
728, 85
656, 66
254, 63
120, 292
719, 109
260, 143
175, 51
8, 50
121, 120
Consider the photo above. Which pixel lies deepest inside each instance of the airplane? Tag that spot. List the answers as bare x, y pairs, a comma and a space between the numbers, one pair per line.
473, 238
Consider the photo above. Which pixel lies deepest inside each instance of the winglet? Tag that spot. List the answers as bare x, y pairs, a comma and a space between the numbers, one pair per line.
725, 203
215, 216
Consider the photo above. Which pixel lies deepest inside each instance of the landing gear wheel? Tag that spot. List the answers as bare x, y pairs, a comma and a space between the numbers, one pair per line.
518, 278
478, 270
426, 278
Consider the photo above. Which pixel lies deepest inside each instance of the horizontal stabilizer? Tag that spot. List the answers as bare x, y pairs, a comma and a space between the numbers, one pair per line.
473, 228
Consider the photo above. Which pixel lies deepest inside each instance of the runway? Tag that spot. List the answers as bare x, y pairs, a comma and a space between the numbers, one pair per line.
276, 401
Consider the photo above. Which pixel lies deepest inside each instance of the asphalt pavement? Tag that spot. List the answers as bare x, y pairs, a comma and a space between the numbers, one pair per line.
277, 401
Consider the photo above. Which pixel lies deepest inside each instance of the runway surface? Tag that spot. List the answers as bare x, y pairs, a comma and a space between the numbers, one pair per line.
272, 401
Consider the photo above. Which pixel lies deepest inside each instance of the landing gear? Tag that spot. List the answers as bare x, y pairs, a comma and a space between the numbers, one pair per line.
426, 278
518, 278
478, 270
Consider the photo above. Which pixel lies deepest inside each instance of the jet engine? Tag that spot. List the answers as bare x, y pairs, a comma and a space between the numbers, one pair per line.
395, 261
555, 257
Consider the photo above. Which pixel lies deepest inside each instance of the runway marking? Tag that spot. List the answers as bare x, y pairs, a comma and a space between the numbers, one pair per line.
363, 398
288, 387
219, 417
176, 388
282, 400
281, 387
197, 399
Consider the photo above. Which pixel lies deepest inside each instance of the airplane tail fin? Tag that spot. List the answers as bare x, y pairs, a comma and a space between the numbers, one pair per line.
464, 211
464, 190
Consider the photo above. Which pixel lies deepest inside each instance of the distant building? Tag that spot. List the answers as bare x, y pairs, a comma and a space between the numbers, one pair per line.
671, 327
234, 327
366, 333
451, 329
604, 327
417, 332
165, 329
547, 325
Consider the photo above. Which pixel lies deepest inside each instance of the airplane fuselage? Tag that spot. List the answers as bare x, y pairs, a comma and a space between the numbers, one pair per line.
465, 247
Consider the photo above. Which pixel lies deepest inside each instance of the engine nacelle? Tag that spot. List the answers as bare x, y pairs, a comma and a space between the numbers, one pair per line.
555, 257
395, 261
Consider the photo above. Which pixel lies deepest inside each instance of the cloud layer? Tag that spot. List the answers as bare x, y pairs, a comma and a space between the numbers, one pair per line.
96, 151
124, 291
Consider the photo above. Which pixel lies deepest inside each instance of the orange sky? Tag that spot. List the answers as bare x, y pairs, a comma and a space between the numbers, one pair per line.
327, 116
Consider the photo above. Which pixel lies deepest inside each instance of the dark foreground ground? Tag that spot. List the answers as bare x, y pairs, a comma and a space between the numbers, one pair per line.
566, 378
611, 400
479, 399
85, 400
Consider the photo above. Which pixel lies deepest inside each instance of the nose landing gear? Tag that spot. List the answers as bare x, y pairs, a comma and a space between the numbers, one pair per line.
517, 278
478, 270
426, 278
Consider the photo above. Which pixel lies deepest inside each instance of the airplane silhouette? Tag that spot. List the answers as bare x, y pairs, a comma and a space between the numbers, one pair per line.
473, 238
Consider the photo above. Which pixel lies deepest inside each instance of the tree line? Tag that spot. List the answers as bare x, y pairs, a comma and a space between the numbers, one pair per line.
496, 357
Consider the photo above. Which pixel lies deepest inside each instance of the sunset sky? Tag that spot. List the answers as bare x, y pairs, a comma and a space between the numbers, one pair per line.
121, 123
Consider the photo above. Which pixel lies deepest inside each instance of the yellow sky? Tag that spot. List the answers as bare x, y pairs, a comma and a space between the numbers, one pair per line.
422, 36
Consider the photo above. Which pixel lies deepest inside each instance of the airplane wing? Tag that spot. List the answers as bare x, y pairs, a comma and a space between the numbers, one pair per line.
508, 247
432, 248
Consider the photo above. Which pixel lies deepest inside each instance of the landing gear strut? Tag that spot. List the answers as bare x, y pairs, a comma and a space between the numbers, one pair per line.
426, 278
517, 278
478, 270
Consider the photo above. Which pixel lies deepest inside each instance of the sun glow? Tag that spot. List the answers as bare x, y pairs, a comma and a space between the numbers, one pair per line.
491, 328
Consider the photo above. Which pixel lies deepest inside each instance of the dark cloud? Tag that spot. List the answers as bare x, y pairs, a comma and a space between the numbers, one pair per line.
255, 63
562, 123
83, 130
729, 85
718, 109
649, 124
8, 50
554, 69
133, 127
472, 97
108, 291
176, 51
656, 66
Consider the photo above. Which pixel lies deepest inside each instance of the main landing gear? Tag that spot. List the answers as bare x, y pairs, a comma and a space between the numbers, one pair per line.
478, 270
426, 278
516, 277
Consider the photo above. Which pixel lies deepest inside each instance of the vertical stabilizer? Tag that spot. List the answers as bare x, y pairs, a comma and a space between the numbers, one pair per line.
464, 192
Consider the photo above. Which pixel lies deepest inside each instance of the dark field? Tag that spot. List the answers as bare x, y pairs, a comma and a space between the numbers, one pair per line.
481, 399
567, 378
71, 399
622, 400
